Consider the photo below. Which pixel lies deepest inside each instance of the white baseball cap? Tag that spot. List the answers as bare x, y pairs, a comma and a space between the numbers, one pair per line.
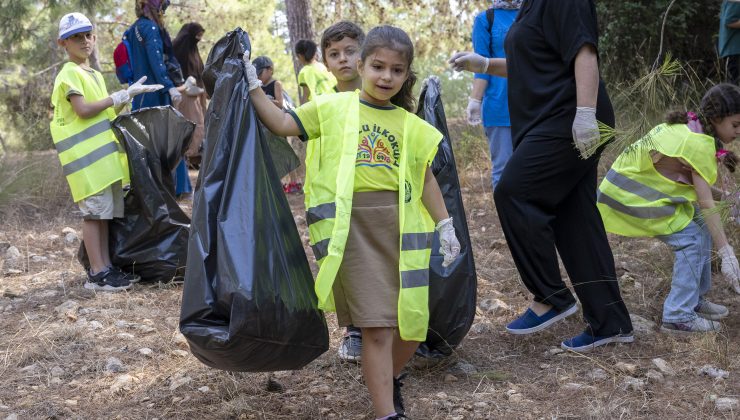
73, 23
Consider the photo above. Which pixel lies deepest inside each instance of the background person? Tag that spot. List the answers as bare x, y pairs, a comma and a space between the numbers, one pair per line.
546, 199
488, 101
313, 79
194, 97
152, 56
729, 39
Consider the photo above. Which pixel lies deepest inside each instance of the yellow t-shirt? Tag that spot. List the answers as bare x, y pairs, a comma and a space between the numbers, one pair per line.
317, 78
378, 147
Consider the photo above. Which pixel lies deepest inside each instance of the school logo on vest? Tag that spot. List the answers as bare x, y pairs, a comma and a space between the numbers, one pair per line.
378, 148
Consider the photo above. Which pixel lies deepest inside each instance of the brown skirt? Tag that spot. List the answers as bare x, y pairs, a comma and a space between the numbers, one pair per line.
367, 285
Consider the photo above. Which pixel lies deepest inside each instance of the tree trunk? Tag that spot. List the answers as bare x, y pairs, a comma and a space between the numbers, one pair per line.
300, 25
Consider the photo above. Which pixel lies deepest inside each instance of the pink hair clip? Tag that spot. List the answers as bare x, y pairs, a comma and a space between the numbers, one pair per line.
694, 124
721, 153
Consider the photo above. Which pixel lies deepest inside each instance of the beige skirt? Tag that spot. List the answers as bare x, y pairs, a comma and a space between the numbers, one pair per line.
367, 285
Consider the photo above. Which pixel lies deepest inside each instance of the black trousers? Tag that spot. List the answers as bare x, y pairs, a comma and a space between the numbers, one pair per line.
546, 201
732, 64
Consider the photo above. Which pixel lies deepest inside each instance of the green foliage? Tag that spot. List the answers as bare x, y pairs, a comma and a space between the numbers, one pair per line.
630, 33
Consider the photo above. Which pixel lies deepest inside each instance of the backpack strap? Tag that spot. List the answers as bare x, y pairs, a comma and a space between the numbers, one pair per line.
489, 17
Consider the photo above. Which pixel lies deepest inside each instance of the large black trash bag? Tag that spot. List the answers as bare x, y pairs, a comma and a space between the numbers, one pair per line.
248, 301
452, 290
151, 239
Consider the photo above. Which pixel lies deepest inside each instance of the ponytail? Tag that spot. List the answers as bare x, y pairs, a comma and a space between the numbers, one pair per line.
405, 97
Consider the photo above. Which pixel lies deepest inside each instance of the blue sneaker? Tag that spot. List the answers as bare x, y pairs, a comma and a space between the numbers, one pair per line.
529, 322
586, 342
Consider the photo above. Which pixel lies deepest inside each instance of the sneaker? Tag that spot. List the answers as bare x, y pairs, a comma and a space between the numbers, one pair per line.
131, 277
109, 280
397, 398
351, 348
709, 310
586, 342
696, 325
529, 322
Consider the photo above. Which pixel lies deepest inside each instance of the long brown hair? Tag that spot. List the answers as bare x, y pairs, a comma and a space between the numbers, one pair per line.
395, 39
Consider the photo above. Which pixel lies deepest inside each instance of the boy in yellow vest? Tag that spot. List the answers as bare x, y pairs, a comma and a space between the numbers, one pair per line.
93, 161
340, 49
313, 79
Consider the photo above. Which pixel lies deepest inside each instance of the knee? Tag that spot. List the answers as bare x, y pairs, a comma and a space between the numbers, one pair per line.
504, 190
377, 337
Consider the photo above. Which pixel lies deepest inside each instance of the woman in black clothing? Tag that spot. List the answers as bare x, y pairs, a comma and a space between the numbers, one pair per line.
273, 88
546, 199
193, 104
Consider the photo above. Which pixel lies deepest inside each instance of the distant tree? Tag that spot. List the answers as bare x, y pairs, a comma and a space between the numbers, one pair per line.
300, 25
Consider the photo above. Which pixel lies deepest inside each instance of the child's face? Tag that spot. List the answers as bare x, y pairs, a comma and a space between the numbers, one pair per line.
79, 46
341, 58
266, 75
728, 128
383, 73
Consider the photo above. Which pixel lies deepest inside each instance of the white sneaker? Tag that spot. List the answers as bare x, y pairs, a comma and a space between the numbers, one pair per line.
697, 325
351, 348
709, 310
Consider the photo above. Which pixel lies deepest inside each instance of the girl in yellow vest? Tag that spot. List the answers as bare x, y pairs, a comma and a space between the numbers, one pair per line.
372, 204
653, 189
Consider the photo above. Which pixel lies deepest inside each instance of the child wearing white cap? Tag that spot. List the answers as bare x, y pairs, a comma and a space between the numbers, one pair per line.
93, 161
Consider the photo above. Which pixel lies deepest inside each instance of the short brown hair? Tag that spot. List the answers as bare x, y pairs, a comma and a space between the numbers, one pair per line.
339, 31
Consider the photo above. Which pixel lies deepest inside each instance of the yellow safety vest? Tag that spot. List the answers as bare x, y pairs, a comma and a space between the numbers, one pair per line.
635, 200
319, 82
330, 168
91, 156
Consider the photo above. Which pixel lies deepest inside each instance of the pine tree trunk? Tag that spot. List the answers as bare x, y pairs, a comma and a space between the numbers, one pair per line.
300, 25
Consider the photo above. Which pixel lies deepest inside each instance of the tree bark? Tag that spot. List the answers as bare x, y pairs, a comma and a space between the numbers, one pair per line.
300, 25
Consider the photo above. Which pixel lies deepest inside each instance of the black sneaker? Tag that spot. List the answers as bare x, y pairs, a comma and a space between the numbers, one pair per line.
397, 398
131, 277
109, 280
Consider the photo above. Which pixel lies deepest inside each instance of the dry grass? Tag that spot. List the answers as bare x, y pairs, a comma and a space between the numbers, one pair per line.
516, 377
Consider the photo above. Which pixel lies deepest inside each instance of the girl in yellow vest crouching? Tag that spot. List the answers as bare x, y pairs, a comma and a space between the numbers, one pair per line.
372, 204
653, 189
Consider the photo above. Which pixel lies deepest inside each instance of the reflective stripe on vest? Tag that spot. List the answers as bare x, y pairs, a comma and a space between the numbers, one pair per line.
416, 241
415, 278
640, 190
90, 158
83, 135
321, 212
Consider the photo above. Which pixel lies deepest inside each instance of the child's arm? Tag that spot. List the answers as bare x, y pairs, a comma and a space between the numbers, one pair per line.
432, 198
118, 99
279, 94
303, 94
274, 118
435, 205
85, 109
711, 216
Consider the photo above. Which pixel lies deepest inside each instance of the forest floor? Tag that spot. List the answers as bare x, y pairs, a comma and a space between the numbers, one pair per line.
67, 352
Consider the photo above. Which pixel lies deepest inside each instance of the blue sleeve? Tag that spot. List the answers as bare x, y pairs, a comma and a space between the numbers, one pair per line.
154, 54
482, 40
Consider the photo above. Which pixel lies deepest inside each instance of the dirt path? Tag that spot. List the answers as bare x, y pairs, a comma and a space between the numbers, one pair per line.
66, 352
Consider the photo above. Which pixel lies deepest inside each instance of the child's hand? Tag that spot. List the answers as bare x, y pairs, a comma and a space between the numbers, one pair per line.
586, 131
139, 87
469, 61
251, 72
730, 268
450, 246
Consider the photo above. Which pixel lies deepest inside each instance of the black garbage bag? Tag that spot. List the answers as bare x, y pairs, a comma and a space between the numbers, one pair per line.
452, 290
248, 301
151, 239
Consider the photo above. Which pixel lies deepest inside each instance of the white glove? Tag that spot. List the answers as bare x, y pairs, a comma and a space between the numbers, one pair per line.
469, 61
730, 268
251, 72
191, 87
139, 87
472, 112
586, 131
120, 98
449, 245
175, 96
